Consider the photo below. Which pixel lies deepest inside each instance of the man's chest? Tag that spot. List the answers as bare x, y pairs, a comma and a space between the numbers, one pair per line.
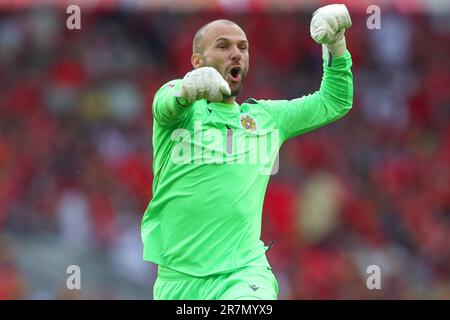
230, 138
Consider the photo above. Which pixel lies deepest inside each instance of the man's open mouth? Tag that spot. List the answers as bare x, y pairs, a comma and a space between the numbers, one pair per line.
234, 74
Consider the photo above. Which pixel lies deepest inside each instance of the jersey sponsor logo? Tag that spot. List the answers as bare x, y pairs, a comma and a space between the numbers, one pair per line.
254, 287
248, 122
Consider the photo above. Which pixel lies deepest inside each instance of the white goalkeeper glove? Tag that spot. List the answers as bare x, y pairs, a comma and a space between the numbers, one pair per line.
204, 83
328, 25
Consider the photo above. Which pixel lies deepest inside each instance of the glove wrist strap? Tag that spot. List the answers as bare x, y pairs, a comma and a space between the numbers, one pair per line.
336, 50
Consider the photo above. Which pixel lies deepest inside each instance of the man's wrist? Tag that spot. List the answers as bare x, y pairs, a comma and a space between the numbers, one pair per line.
337, 49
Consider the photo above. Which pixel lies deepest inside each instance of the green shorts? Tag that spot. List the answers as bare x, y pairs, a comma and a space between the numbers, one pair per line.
248, 283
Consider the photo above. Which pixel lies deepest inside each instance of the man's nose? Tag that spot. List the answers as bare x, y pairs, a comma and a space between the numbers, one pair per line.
235, 53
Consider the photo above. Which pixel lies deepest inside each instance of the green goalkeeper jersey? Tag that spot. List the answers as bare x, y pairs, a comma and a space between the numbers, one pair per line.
212, 162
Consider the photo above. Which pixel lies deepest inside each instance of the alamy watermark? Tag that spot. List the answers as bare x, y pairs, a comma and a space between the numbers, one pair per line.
374, 280
242, 146
73, 22
374, 20
73, 281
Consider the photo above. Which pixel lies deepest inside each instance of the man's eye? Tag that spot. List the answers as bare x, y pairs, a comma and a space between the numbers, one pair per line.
221, 46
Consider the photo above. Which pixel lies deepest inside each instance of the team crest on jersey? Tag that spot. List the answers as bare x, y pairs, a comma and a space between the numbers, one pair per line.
248, 122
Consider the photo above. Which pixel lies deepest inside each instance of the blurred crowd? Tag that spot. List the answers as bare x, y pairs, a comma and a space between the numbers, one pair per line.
370, 189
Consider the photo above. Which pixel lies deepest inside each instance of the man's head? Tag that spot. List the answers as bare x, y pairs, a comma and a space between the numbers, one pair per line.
223, 45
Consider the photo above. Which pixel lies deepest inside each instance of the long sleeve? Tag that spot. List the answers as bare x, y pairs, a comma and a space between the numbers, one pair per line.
166, 111
332, 101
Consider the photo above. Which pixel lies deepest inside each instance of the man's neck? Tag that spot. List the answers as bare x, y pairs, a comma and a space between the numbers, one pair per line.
230, 100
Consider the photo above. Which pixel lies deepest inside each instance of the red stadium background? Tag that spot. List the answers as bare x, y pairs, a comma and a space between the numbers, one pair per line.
75, 146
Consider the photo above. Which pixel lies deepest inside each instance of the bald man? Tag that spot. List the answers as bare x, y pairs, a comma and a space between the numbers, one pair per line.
212, 162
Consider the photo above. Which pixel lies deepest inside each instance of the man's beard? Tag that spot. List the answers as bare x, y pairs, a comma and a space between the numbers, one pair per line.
234, 92
237, 91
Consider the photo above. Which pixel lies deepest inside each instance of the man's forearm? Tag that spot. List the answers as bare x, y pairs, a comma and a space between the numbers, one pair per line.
336, 89
168, 107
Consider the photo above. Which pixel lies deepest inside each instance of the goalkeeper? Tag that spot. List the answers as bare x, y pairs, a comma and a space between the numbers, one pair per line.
203, 225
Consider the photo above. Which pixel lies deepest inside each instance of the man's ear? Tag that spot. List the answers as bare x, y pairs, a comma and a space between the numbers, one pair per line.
196, 60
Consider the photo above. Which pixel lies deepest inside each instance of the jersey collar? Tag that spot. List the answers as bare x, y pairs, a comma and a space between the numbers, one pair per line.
220, 106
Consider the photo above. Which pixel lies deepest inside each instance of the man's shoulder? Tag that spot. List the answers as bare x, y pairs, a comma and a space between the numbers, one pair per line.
260, 102
253, 104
